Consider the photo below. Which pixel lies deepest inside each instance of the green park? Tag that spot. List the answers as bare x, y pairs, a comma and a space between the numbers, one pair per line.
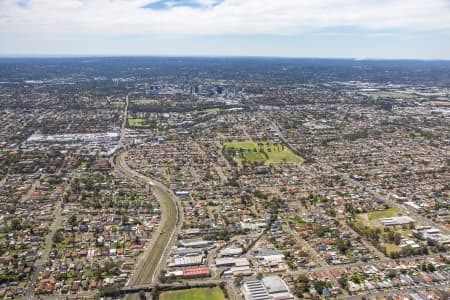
197, 294
260, 153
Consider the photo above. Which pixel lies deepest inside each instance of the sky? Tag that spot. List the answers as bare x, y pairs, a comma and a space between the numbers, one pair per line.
359, 29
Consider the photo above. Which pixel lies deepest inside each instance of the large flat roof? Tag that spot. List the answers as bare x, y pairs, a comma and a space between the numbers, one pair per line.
275, 284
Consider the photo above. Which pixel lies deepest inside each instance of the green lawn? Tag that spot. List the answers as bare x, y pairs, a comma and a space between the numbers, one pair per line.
391, 248
263, 152
300, 223
388, 213
137, 122
244, 145
360, 223
278, 157
197, 294
83, 165
205, 111
392, 95
145, 101
251, 156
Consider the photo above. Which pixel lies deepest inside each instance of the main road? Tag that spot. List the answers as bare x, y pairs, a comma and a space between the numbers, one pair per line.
125, 117
156, 254
40, 263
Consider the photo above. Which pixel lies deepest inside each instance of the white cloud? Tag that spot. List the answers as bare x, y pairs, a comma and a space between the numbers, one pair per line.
233, 17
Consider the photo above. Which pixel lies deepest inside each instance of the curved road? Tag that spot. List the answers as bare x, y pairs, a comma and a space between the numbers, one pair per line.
155, 256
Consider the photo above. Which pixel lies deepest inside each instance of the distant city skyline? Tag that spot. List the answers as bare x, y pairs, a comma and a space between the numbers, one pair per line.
384, 29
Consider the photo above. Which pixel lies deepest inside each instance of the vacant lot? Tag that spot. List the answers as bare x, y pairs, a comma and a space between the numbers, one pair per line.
388, 213
371, 219
197, 294
261, 152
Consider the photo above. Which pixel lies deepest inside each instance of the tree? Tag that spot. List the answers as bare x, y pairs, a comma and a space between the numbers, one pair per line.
397, 238
112, 291
238, 280
432, 243
302, 286
392, 273
162, 276
58, 237
73, 220
423, 267
319, 285
155, 291
342, 245
343, 282
15, 224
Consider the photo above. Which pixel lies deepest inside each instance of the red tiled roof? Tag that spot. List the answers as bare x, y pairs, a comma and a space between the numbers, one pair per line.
202, 271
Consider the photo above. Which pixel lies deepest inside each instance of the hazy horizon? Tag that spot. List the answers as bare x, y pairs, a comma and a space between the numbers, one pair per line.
350, 29
43, 56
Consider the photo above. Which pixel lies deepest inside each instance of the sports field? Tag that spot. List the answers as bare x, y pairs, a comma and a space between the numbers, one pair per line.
197, 294
387, 213
262, 152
